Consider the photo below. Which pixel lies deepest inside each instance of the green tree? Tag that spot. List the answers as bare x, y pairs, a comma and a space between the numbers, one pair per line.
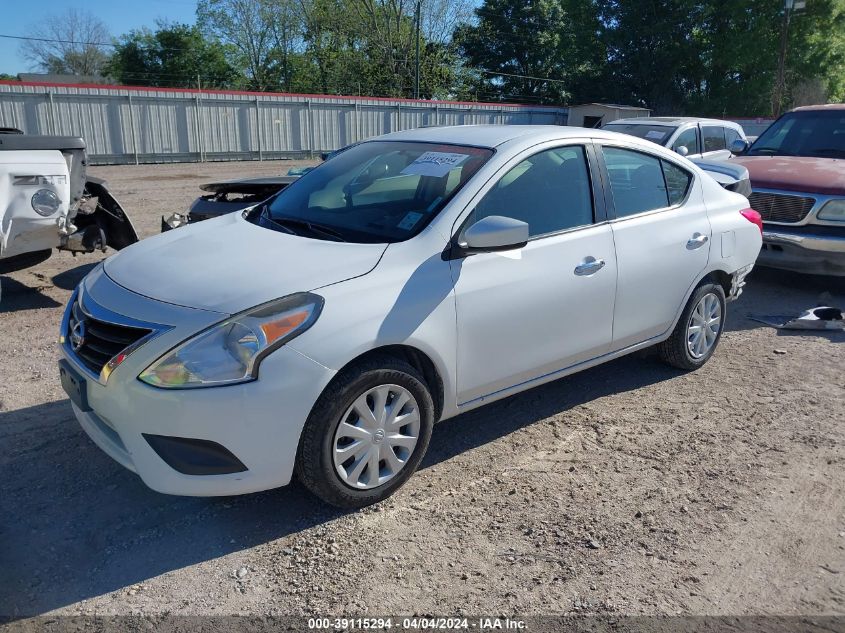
173, 55
532, 51
247, 27
816, 53
715, 58
653, 54
369, 47
739, 48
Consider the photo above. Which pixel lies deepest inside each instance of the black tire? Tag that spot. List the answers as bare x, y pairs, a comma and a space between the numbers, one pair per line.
314, 462
675, 350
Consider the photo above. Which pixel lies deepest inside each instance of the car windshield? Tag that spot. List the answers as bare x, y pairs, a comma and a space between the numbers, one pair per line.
374, 192
818, 133
655, 133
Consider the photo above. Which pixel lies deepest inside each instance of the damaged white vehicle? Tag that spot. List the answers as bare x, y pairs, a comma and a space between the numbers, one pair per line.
47, 201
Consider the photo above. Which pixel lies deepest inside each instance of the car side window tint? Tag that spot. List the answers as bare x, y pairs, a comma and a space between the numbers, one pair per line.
677, 182
731, 135
636, 181
688, 139
550, 191
714, 137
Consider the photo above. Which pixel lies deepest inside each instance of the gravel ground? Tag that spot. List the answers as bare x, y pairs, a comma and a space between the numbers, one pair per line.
630, 488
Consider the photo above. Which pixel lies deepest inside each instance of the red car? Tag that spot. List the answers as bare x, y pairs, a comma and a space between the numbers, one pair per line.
797, 169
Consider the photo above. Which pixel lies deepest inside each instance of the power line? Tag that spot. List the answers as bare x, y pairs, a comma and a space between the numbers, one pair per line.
500, 73
59, 41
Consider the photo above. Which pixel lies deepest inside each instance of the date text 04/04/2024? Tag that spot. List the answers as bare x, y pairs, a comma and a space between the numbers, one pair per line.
416, 623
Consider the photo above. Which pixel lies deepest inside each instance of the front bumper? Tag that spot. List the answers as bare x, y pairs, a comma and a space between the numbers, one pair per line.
803, 250
258, 423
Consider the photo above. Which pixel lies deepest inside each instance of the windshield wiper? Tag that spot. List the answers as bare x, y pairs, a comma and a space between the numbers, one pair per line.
265, 215
770, 150
828, 150
317, 229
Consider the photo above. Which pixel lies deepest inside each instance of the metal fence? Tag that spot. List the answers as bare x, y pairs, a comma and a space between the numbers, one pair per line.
753, 126
152, 125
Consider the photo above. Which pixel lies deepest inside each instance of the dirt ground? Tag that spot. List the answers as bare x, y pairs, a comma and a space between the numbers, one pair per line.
630, 488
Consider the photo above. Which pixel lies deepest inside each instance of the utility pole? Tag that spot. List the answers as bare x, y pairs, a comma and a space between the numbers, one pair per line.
417, 64
780, 83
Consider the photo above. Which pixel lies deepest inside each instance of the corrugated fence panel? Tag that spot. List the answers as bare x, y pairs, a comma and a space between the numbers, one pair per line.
754, 126
161, 127
148, 125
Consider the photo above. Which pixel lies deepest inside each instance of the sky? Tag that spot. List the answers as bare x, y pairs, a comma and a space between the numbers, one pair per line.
119, 16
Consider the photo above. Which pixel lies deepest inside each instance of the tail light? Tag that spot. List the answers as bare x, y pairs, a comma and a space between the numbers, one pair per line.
755, 218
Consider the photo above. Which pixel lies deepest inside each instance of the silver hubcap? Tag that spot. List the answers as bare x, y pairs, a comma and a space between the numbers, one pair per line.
376, 436
704, 325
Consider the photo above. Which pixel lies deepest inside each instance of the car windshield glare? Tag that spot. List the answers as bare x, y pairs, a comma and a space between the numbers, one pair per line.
655, 133
374, 192
814, 133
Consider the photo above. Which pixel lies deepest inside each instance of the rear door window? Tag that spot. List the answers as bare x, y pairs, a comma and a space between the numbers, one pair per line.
636, 181
688, 139
640, 182
677, 182
714, 138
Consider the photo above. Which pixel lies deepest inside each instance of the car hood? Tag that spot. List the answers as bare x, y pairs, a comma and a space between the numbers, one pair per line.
229, 264
796, 173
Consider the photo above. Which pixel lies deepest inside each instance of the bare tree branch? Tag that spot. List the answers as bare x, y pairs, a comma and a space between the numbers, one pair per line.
74, 44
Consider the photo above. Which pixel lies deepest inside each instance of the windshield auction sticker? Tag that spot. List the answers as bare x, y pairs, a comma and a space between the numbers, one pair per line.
436, 164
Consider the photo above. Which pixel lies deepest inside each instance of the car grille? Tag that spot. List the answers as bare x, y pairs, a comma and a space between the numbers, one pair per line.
95, 342
780, 207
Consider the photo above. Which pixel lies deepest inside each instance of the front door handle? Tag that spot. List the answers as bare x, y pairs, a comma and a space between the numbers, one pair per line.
589, 266
697, 241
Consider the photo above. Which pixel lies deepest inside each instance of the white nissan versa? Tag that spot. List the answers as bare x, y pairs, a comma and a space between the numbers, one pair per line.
407, 279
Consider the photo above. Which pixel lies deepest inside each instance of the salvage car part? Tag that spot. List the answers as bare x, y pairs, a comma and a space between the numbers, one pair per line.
50, 202
820, 318
227, 196
236, 195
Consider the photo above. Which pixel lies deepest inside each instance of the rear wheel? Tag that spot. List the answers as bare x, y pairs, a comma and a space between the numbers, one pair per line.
699, 329
366, 434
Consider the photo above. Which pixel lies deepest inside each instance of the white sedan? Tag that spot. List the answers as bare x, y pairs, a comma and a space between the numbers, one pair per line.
406, 280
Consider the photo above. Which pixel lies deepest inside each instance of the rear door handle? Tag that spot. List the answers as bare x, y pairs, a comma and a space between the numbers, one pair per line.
589, 266
697, 241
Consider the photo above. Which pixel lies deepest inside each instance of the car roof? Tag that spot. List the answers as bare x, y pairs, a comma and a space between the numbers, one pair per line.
671, 120
493, 135
825, 106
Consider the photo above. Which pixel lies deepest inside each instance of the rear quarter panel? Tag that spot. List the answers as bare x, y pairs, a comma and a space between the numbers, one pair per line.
736, 241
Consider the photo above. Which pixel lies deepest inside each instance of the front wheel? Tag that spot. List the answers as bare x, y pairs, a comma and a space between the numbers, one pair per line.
699, 329
366, 434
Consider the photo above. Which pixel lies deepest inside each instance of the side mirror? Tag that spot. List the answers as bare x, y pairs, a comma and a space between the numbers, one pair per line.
739, 146
494, 233
682, 150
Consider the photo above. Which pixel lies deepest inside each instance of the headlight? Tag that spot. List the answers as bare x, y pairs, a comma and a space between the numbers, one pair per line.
231, 351
833, 210
45, 202
176, 220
